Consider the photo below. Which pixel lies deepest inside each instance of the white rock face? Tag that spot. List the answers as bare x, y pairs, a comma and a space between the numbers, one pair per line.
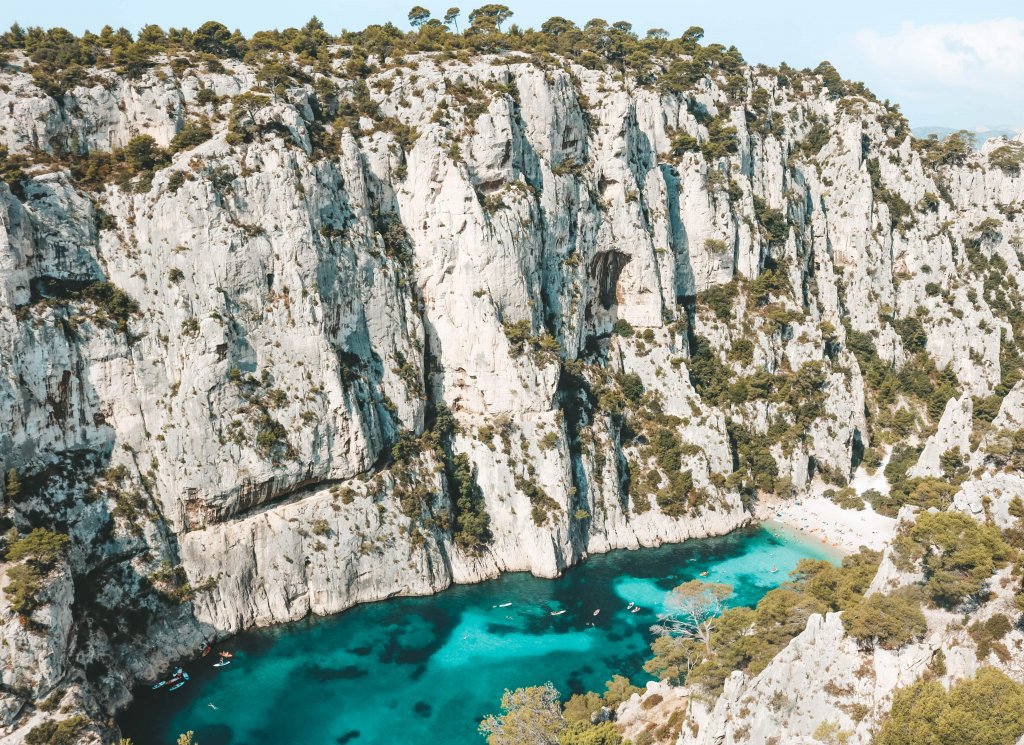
953, 433
808, 683
303, 302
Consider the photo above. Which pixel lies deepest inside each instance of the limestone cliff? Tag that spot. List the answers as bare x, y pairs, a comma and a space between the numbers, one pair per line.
242, 379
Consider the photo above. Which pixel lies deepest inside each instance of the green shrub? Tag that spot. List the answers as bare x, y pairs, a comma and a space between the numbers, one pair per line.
831, 79
242, 122
720, 299
175, 181
679, 496
271, 438
12, 486
683, 142
957, 554
24, 584
742, 351
770, 282
205, 96
985, 710
773, 221
623, 328
817, 137
988, 634
722, 140
709, 376
64, 732
952, 150
143, 154
632, 387
889, 621
580, 733
912, 332
471, 521
1008, 158
837, 587
113, 304
191, 135
12, 171
42, 548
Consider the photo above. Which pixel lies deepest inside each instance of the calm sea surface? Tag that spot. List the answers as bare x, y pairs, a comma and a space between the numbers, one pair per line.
422, 671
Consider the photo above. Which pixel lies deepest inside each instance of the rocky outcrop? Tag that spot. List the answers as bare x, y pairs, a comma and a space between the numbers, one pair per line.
823, 683
242, 383
953, 434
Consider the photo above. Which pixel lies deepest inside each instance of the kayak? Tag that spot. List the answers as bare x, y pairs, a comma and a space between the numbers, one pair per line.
222, 663
175, 676
176, 686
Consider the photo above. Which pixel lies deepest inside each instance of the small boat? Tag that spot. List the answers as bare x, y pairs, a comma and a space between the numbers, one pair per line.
505, 605
704, 573
635, 610
597, 611
774, 570
222, 663
177, 685
212, 706
175, 675
630, 606
205, 649
226, 655
557, 612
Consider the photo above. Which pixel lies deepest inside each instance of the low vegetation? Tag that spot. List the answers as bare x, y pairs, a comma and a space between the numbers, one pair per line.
536, 715
956, 553
888, 621
748, 638
33, 557
64, 732
985, 710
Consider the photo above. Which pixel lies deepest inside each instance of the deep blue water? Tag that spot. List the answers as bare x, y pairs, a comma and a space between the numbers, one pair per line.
426, 670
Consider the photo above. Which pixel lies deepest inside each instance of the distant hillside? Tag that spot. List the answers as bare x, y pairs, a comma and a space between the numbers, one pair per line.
979, 137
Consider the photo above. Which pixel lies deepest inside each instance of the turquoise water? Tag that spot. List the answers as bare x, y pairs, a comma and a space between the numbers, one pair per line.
426, 670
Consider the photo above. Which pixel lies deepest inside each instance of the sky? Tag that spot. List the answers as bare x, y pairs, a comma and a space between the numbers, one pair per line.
951, 63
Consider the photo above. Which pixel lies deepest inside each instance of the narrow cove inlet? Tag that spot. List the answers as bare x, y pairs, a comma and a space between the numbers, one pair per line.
426, 670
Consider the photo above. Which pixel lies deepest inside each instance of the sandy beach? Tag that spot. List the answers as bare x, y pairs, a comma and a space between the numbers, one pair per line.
820, 518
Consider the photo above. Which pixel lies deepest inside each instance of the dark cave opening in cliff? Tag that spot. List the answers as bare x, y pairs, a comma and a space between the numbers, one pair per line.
605, 269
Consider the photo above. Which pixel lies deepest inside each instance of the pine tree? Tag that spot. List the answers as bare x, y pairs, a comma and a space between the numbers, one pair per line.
13, 488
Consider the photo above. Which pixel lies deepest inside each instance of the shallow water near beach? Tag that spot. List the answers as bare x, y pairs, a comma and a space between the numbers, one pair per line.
426, 670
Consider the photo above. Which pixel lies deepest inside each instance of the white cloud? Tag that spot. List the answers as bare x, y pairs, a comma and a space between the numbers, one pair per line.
986, 56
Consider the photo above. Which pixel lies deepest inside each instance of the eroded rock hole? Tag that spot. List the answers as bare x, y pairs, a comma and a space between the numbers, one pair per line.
605, 269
